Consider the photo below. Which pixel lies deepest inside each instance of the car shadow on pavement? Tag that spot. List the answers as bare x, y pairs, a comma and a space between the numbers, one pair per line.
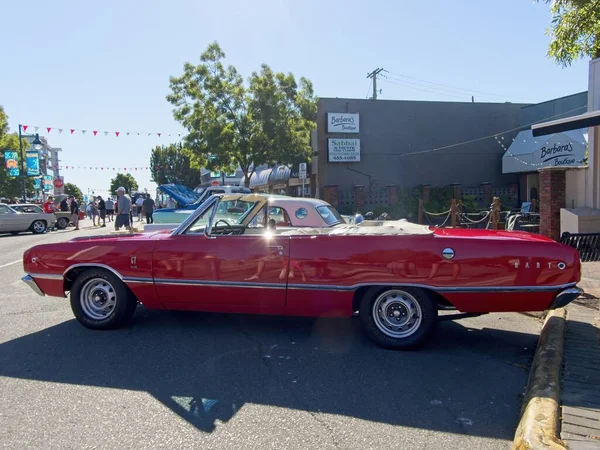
205, 367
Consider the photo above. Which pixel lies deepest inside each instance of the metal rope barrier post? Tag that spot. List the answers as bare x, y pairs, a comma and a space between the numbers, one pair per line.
495, 212
453, 213
420, 215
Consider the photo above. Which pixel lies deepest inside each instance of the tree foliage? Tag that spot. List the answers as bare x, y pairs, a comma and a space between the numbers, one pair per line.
174, 164
11, 186
125, 180
575, 31
231, 124
71, 189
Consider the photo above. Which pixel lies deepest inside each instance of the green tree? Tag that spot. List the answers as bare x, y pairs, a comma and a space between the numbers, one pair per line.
71, 189
575, 31
125, 180
11, 186
230, 124
174, 164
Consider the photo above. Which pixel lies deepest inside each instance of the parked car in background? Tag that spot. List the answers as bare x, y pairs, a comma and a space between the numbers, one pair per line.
63, 218
189, 200
15, 221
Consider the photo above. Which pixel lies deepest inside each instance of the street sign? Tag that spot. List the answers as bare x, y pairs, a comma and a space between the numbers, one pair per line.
302, 171
58, 183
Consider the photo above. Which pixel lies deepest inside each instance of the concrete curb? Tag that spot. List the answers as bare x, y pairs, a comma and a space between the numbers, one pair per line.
538, 427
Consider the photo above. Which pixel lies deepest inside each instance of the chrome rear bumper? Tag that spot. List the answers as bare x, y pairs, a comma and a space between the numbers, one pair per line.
32, 284
565, 297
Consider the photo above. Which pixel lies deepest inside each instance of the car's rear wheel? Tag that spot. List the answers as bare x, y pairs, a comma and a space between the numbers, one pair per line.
100, 300
398, 318
38, 227
62, 223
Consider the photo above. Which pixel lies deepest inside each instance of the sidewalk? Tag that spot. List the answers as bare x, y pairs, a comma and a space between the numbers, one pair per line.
580, 390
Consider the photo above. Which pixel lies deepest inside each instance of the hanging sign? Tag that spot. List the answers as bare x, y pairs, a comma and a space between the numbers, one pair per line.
48, 185
11, 162
342, 123
32, 163
344, 150
37, 183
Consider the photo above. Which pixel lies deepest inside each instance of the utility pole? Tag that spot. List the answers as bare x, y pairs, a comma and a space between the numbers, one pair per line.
374, 76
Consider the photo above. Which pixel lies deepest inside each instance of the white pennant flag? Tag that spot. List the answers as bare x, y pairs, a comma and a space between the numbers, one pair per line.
128, 133
36, 128
169, 134
106, 133
83, 131
60, 130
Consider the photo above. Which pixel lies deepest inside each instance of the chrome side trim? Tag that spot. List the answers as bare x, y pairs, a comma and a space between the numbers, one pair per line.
101, 266
46, 276
209, 283
353, 287
32, 284
137, 280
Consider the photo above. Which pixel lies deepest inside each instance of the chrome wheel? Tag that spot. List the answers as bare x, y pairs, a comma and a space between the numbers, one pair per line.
39, 226
98, 299
397, 313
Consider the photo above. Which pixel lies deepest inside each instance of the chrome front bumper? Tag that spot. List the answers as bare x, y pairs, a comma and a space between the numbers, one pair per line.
32, 284
565, 297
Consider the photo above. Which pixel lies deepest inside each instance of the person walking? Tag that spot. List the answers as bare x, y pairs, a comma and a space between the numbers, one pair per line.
74, 212
110, 208
49, 207
123, 210
138, 206
149, 209
102, 211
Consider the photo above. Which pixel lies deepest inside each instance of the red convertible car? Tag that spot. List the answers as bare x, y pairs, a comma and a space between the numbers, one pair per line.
396, 274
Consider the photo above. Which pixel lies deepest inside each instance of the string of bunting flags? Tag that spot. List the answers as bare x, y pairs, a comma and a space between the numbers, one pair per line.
124, 169
48, 130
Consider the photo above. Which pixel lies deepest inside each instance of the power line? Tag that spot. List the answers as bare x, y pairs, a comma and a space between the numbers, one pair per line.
394, 74
455, 95
491, 135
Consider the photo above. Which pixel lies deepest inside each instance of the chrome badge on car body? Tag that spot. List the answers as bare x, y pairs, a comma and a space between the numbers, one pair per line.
538, 265
448, 253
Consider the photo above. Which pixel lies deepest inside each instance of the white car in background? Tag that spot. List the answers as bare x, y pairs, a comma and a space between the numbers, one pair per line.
25, 217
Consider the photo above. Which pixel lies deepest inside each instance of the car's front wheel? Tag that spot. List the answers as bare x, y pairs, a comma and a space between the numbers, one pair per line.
38, 227
398, 318
100, 300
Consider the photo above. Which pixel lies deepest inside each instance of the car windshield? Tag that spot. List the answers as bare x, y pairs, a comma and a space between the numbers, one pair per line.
232, 212
329, 215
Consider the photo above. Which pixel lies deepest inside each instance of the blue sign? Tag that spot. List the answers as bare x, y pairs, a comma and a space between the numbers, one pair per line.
32, 162
11, 162
48, 186
37, 183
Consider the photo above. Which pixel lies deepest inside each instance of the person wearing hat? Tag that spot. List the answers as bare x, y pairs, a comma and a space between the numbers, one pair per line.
123, 209
74, 212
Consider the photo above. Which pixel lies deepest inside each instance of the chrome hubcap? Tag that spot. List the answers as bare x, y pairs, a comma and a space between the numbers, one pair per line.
397, 314
98, 299
38, 226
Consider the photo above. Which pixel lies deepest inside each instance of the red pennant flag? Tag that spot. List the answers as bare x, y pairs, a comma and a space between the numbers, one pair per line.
25, 127
158, 134
136, 168
66, 167
48, 128
72, 130
125, 169
117, 133
95, 132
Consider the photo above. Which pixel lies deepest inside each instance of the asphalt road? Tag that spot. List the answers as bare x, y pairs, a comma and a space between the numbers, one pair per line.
192, 380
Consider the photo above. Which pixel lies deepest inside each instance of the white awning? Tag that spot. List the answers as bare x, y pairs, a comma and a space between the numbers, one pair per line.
528, 153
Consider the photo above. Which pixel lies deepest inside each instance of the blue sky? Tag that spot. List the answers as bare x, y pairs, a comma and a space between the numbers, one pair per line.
106, 66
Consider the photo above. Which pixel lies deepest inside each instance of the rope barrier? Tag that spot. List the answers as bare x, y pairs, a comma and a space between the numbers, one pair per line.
447, 217
487, 215
436, 214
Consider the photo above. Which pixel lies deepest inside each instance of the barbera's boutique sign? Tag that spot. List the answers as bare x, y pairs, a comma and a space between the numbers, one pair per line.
342, 123
559, 155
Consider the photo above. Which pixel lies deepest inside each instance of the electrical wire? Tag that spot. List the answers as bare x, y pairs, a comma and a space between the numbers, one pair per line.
395, 74
455, 95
